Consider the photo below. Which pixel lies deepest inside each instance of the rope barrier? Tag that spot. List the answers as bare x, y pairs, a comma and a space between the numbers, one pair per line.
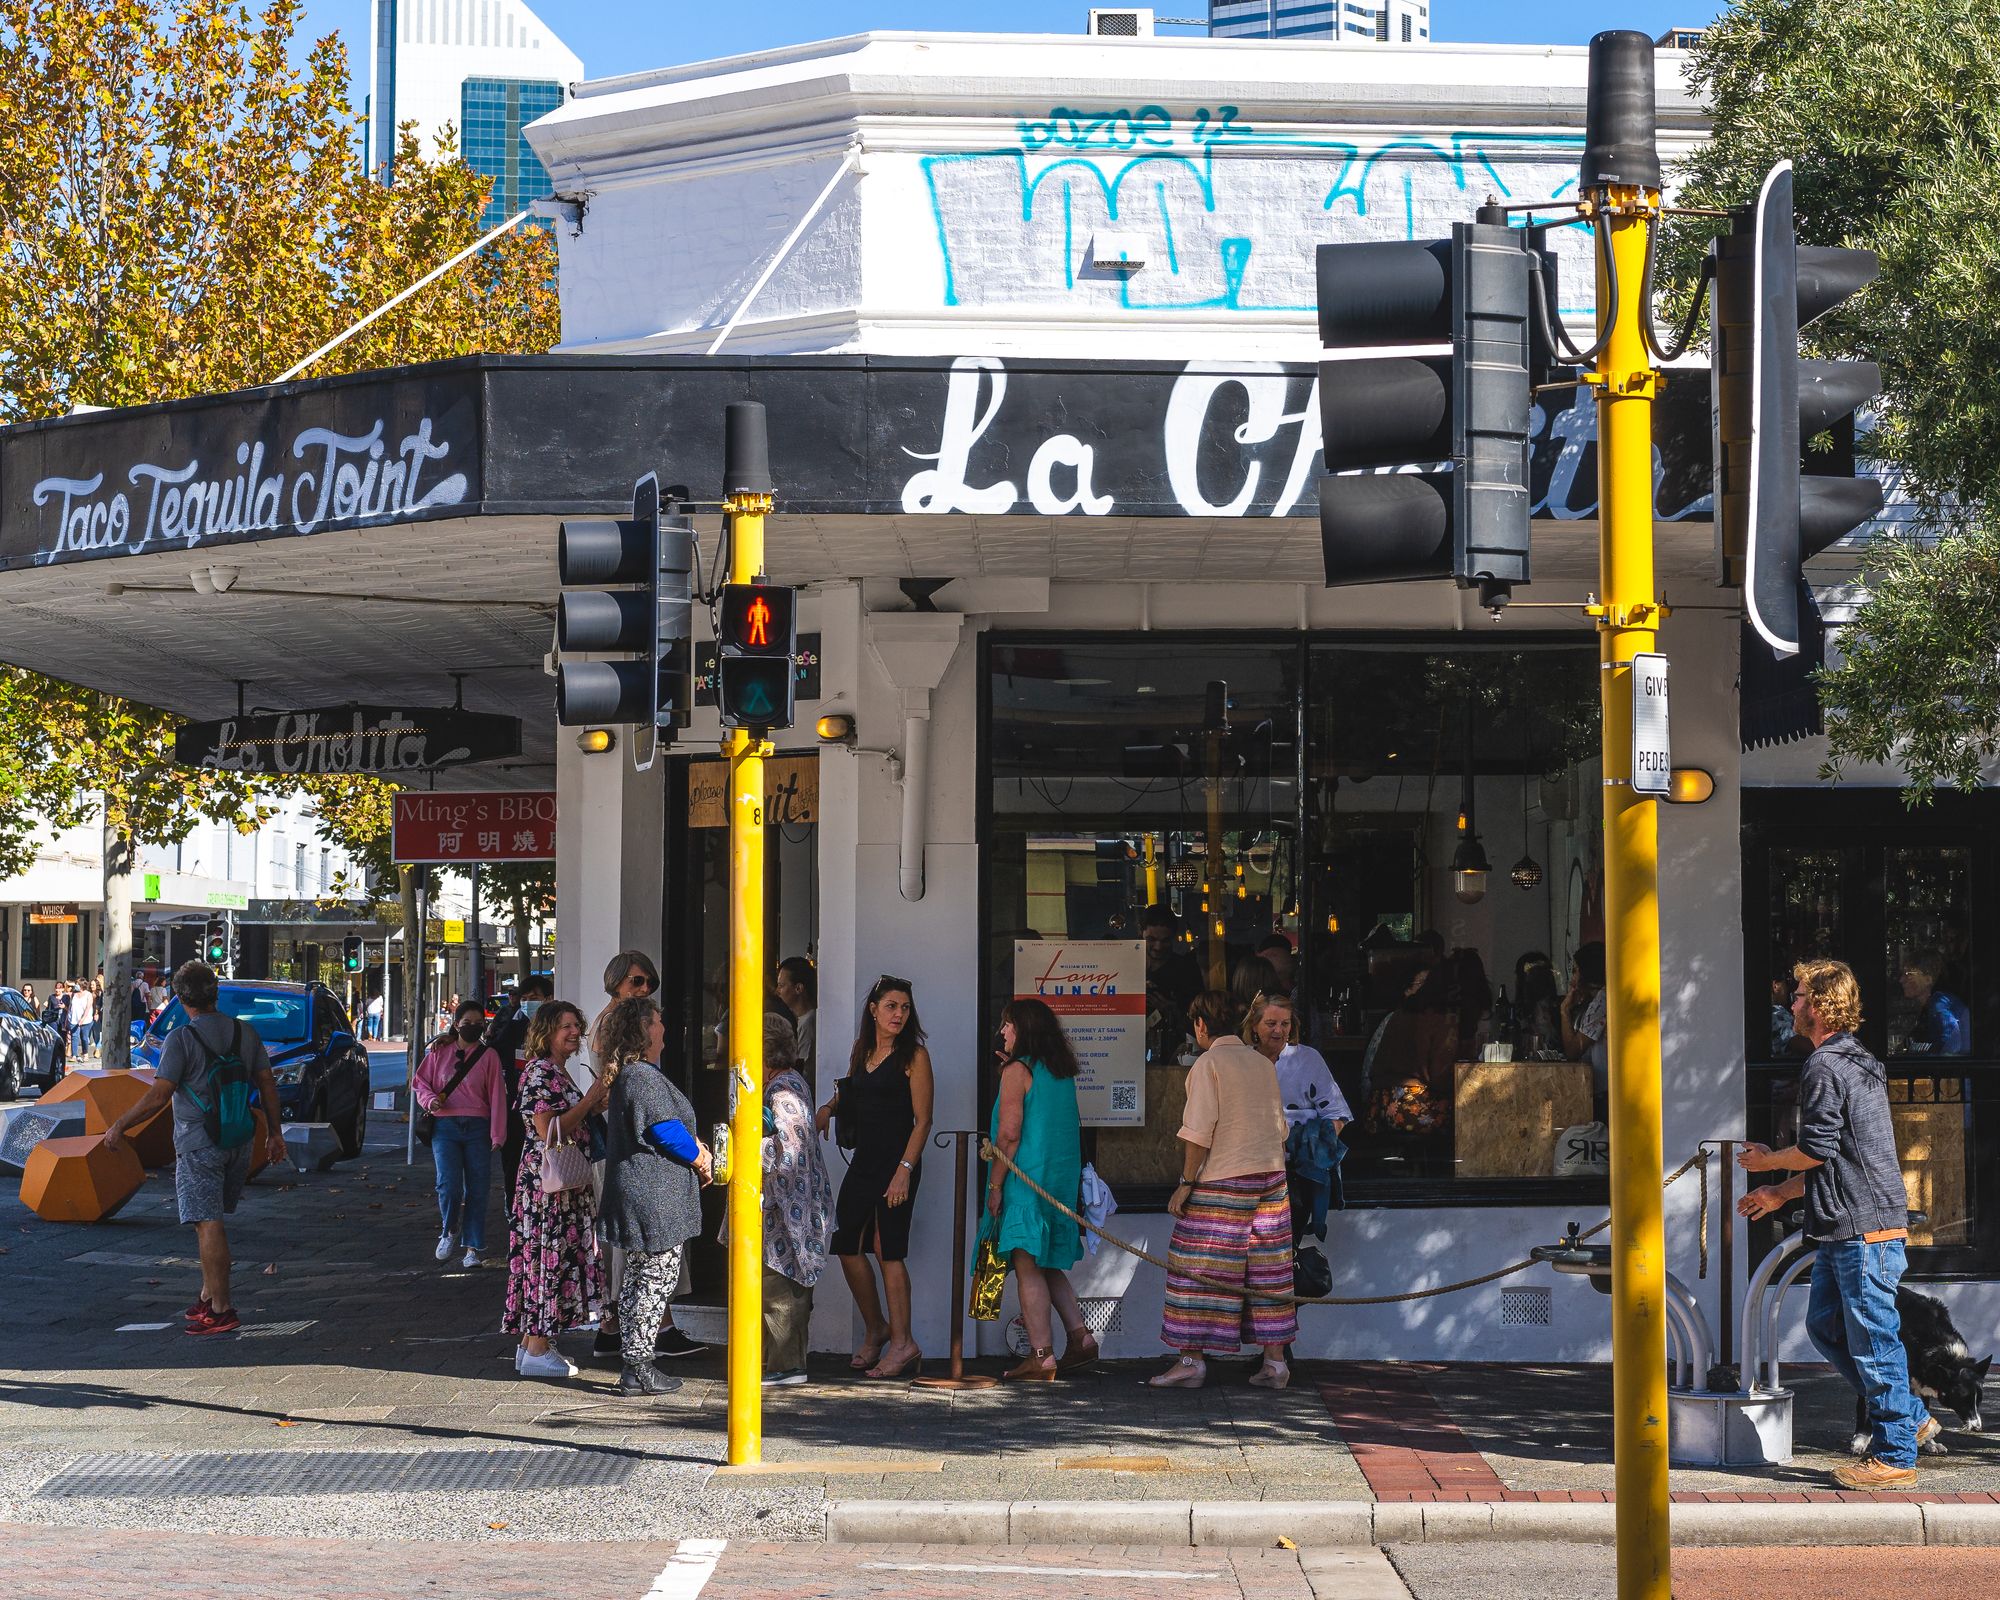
988, 1151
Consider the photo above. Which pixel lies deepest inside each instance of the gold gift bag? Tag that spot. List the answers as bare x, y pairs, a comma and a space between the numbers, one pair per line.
989, 1280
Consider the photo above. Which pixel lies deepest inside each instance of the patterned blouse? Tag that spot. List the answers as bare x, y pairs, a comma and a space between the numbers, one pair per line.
798, 1195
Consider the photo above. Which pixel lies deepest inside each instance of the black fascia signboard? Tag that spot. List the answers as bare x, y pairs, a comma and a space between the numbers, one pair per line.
381, 741
850, 436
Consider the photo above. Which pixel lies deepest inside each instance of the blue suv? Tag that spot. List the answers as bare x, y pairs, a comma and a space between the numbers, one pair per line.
321, 1067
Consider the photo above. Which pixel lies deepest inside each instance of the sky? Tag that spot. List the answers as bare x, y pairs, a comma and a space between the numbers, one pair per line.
617, 36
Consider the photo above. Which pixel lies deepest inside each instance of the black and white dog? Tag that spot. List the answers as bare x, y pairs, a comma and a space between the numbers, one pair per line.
1942, 1371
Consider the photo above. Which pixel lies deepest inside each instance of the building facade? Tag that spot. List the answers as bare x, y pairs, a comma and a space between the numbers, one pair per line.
1033, 320
487, 68
1343, 21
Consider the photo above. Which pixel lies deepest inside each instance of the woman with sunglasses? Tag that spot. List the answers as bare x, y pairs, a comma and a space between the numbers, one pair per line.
884, 1105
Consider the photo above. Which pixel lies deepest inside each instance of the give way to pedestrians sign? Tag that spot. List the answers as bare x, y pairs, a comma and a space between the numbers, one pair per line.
1652, 756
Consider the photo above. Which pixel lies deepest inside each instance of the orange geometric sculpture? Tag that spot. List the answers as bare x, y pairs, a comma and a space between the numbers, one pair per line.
70, 1088
109, 1095
79, 1180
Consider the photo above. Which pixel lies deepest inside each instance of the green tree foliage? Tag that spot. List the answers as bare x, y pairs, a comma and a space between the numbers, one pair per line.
1891, 118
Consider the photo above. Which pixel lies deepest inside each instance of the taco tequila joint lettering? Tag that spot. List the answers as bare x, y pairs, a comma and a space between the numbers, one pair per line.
339, 478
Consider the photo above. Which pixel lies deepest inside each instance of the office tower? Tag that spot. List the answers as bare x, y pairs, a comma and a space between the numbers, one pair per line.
1349, 21
486, 67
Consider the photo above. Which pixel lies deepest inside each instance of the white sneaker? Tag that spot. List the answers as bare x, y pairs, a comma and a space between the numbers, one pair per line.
470, 1259
552, 1363
447, 1242
520, 1355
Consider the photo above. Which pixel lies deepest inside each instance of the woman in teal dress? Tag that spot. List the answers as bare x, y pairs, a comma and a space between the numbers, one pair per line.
1035, 1123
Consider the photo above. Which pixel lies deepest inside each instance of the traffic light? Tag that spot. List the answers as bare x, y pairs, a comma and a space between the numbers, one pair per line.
1463, 401
215, 943
350, 952
632, 581
1778, 505
758, 637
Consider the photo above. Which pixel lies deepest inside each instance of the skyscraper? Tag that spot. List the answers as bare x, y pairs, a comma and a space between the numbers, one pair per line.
1349, 21
487, 67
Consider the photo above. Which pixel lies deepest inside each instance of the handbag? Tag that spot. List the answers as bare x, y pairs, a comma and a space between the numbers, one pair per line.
989, 1278
426, 1121
845, 1133
1312, 1274
565, 1166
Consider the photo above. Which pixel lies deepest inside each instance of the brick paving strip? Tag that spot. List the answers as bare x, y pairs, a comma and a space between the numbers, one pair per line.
1412, 1452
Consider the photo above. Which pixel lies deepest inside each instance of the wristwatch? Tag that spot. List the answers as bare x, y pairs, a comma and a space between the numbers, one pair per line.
906, 1166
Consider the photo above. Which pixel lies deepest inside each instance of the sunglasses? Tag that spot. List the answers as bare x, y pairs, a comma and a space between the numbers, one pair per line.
644, 983
887, 982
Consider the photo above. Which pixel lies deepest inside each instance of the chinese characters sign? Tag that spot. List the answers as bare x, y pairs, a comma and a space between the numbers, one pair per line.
458, 829
1097, 989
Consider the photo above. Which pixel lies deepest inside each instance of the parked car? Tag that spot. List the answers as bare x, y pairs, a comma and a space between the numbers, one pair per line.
321, 1067
31, 1052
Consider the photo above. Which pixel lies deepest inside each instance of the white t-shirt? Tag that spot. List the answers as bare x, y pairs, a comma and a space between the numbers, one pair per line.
82, 1007
1306, 1084
375, 1006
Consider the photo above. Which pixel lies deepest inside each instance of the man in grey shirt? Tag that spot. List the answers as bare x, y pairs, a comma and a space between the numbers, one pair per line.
208, 1181
1846, 1168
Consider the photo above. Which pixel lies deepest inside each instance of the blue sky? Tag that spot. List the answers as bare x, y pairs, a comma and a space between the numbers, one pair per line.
616, 36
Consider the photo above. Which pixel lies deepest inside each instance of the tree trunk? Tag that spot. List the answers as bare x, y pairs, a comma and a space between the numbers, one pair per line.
115, 1005
523, 942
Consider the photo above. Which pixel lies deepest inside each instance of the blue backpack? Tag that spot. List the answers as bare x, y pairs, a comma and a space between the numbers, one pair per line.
226, 1111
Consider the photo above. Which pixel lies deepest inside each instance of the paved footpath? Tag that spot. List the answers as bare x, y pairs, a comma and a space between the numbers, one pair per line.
371, 1392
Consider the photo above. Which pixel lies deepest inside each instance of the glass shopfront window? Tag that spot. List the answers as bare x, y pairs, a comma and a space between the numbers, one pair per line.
1402, 835
1907, 900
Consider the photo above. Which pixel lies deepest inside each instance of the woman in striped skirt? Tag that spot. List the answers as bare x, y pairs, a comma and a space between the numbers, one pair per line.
1233, 1227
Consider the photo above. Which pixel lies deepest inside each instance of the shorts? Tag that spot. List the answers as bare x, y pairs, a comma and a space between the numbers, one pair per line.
208, 1182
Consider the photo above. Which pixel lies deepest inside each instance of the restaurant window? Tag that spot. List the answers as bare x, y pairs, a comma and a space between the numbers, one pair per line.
1906, 898
1417, 826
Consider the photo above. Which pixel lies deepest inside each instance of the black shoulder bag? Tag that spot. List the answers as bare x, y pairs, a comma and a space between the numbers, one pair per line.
426, 1121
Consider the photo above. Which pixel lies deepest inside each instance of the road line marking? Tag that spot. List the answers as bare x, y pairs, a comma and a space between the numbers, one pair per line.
693, 1564
142, 1327
1043, 1572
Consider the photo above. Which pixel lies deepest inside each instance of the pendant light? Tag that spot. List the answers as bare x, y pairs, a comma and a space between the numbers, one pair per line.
1527, 872
1469, 866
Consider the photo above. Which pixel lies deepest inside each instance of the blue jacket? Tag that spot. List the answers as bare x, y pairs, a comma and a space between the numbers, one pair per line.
1313, 1154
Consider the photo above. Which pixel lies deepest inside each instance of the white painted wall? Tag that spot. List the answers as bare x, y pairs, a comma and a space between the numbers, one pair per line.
984, 165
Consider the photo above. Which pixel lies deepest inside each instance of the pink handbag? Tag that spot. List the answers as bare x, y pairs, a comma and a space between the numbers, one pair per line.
564, 1166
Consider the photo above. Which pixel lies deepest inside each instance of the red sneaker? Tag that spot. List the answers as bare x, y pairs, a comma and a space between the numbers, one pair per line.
213, 1321
198, 1309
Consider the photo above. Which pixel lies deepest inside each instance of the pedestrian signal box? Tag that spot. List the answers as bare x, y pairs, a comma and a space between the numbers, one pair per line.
757, 638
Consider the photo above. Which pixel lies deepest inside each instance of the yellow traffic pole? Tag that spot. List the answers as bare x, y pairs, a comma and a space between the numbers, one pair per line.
1628, 624
746, 1033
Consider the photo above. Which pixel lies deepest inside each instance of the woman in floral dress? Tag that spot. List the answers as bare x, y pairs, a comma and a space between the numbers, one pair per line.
555, 1279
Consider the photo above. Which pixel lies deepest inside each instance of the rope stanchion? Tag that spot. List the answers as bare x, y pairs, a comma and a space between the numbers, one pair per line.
990, 1152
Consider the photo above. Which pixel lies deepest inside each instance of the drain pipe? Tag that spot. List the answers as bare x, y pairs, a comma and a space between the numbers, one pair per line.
916, 803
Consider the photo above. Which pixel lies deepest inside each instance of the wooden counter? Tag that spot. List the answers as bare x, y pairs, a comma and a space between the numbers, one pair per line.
1506, 1115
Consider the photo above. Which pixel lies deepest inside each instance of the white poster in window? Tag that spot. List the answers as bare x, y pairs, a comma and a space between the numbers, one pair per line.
1097, 989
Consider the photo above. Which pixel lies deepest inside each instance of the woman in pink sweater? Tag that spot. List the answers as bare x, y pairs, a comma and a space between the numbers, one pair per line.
462, 1084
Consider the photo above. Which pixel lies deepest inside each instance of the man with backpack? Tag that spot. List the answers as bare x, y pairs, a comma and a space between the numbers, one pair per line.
208, 1068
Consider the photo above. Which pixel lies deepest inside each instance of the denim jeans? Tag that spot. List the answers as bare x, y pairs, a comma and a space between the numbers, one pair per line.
462, 1152
1852, 1321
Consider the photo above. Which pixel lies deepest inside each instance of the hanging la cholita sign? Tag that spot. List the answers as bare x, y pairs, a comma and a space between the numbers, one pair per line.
1652, 749
1097, 989
380, 740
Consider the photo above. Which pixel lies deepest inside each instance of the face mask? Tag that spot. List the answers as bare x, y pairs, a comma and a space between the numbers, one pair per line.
530, 1007
469, 1029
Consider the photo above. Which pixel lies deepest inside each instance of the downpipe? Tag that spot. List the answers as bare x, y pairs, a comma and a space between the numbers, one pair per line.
916, 805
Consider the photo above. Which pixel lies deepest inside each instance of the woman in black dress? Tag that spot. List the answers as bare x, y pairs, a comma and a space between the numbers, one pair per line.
886, 1100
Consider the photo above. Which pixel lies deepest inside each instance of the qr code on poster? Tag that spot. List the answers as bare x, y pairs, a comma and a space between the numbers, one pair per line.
1124, 1097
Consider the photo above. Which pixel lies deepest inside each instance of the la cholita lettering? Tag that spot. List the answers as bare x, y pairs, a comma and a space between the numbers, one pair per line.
340, 478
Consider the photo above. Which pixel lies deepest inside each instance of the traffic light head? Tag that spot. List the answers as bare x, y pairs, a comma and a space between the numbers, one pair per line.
1455, 396
350, 952
757, 635
215, 942
1781, 497
652, 556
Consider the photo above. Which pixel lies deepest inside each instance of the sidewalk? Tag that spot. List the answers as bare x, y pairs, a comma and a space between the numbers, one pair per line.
366, 1369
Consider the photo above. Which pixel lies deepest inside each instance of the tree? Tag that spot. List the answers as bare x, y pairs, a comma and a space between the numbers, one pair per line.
181, 212
1891, 118
524, 891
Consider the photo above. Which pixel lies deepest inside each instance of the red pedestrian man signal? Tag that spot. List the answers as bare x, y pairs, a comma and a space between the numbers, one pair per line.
758, 635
